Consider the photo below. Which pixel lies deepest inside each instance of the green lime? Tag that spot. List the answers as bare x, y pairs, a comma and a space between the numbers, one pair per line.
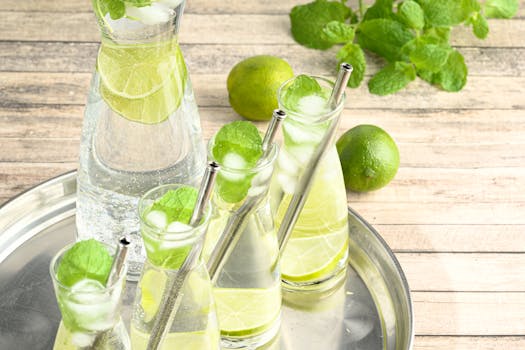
253, 84
247, 311
369, 158
143, 83
151, 287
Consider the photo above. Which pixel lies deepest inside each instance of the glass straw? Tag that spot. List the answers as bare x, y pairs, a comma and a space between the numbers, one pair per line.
231, 233
172, 297
299, 198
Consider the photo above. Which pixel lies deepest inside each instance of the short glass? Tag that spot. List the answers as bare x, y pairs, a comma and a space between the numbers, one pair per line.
315, 257
195, 323
247, 288
91, 318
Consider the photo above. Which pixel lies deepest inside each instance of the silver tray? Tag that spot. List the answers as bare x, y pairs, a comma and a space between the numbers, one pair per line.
372, 311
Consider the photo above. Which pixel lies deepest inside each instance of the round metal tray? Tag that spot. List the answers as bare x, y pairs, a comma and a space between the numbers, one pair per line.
371, 311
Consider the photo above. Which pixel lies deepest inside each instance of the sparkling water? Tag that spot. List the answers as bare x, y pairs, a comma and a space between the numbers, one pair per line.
121, 159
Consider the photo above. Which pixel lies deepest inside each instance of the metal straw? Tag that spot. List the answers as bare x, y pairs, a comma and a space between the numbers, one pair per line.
172, 296
299, 198
118, 260
232, 231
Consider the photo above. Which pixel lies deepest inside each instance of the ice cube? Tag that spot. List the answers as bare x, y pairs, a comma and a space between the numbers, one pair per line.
288, 183
178, 227
304, 134
256, 190
262, 176
82, 340
156, 13
170, 3
234, 161
157, 218
312, 105
302, 154
287, 163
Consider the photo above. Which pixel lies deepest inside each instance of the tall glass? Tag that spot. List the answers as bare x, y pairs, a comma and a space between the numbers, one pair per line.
195, 323
316, 254
90, 316
141, 124
247, 289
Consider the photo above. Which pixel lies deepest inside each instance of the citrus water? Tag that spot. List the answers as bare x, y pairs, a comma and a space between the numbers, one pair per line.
315, 256
114, 339
141, 129
247, 288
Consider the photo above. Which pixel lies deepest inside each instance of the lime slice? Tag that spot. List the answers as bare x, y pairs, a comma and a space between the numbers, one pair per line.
135, 71
247, 311
201, 340
312, 258
151, 287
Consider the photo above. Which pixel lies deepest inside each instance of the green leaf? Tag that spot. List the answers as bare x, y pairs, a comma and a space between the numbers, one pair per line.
138, 3
85, 259
353, 54
501, 8
448, 12
177, 204
384, 37
411, 14
308, 21
441, 35
480, 26
392, 78
302, 86
453, 75
380, 9
337, 32
241, 138
429, 56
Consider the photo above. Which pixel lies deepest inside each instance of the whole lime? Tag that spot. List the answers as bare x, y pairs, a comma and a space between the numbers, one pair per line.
369, 158
253, 84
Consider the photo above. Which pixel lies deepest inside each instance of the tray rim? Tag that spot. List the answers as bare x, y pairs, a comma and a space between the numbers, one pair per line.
61, 178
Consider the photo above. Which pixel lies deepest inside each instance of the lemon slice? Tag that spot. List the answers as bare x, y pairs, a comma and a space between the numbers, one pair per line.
201, 340
151, 287
135, 71
245, 311
312, 258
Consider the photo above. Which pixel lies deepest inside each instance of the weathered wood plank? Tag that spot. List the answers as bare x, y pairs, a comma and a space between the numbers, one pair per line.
469, 272
215, 59
202, 29
454, 238
419, 126
468, 343
192, 6
415, 155
210, 91
430, 213
464, 314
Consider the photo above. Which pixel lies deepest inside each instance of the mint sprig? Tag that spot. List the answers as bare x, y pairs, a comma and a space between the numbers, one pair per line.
117, 8
177, 204
411, 35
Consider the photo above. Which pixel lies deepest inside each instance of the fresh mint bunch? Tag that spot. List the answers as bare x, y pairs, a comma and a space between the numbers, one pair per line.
411, 35
117, 8
177, 204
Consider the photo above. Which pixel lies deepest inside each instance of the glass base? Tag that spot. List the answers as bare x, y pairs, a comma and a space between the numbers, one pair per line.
323, 287
254, 342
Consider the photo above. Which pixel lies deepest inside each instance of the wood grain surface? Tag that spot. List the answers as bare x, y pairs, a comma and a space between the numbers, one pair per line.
454, 214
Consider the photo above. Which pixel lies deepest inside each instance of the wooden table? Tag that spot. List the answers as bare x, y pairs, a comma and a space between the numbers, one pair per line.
454, 214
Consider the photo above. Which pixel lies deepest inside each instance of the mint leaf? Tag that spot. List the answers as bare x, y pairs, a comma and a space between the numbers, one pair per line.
384, 37
501, 8
453, 75
380, 9
239, 137
85, 259
392, 78
177, 204
302, 86
429, 56
338, 33
480, 26
353, 54
441, 35
309, 20
448, 12
411, 14
139, 3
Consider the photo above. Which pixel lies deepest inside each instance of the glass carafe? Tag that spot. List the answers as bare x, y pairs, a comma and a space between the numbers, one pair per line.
195, 323
141, 124
247, 288
315, 256
91, 314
